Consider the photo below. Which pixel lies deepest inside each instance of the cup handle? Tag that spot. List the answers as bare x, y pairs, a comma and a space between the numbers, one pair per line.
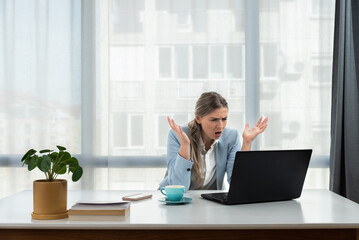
162, 188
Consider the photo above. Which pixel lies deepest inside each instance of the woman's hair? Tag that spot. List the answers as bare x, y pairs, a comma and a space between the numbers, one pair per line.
206, 103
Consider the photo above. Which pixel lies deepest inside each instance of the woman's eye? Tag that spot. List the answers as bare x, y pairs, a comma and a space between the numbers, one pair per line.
216, 120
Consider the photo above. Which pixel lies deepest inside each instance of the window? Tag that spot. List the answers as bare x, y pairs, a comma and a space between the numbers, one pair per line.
322, 8
120, 130
165, 62
217, 62
199, 20
234, 61
182, 61
200, 62
123, 66
205, 62
162, 130
269, 60
137, 130
127, 16
322, 74
128, 130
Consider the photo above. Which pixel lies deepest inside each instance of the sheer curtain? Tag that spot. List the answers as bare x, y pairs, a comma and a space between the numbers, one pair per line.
40, 83
296, 46
153, 58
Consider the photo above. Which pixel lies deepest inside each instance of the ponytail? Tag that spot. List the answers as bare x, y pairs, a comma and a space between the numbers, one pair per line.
194, 137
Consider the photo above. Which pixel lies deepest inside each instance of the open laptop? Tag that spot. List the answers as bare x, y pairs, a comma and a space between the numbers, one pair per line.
263, 176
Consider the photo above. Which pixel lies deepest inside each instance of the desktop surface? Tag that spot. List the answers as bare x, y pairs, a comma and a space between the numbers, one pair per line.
314, 209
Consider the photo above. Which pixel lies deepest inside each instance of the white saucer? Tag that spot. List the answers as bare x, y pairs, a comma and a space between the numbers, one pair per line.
182, 201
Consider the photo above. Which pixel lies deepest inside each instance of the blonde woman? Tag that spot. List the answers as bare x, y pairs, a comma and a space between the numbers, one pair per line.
198, 155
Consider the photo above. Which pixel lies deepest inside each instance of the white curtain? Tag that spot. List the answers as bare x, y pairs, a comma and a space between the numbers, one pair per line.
153, 58
40, 80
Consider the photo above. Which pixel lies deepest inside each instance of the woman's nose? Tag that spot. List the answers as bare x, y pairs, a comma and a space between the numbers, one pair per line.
220, 124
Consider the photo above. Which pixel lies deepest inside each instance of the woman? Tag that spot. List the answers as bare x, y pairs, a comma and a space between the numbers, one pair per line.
198, 155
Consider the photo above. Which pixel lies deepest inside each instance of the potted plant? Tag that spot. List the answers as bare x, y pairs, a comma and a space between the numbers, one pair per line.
50, 194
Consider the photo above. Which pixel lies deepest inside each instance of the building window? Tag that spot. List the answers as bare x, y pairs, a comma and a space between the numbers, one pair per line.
137, 130
165, 62
127, 16
235, 61
162, 130
182, 61
205, 62
322, 74
323, 8
200, 62
269, 60
128, 130
216, 62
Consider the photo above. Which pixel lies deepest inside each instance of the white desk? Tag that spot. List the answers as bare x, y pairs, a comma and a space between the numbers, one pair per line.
318, 214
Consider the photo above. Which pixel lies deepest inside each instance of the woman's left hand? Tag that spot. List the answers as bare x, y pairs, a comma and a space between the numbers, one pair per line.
250, 134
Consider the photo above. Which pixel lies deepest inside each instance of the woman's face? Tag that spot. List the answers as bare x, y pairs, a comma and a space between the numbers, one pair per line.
213, 124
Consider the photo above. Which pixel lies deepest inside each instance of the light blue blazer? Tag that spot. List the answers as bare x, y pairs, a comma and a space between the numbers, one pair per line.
179, 169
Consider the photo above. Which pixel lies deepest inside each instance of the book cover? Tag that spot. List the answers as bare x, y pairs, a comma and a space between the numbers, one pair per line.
100, 208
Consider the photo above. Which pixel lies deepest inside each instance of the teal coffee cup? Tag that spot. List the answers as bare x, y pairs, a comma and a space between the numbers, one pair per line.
173, 192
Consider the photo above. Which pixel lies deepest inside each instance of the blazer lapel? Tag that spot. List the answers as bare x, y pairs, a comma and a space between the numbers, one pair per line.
220, 163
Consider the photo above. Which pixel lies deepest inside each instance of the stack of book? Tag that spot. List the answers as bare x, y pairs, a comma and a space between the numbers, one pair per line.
99, 211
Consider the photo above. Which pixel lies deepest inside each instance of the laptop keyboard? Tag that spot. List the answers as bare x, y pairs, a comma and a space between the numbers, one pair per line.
222, 197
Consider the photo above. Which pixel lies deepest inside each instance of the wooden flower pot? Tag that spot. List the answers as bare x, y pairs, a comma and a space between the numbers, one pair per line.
50, 199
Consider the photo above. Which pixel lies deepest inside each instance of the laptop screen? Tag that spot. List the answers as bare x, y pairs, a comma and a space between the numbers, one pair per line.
261, 176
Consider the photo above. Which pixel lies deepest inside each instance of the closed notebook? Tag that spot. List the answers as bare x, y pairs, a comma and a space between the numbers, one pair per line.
97, 218
100, 208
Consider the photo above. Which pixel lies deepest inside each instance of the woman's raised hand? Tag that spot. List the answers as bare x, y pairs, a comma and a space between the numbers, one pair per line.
184, 150
178, 130
250, 134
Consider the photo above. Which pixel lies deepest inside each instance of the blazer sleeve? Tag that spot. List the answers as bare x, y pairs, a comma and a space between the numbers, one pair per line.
233, 148
178, 168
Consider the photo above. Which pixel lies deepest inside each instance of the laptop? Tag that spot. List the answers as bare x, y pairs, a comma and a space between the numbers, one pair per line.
265, 176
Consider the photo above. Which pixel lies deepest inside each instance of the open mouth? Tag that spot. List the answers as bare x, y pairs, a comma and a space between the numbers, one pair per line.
218, 134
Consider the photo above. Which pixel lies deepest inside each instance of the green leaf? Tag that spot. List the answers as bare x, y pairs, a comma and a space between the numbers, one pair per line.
32, 164
45, 163
45, 151
39, 160
61, 170
28, 154
53, 155
77, 174
73, 162
61, 148
65, 156
59, 156
72, 169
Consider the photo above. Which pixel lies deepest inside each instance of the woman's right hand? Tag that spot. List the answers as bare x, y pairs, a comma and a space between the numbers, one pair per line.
184, 150
178, 130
